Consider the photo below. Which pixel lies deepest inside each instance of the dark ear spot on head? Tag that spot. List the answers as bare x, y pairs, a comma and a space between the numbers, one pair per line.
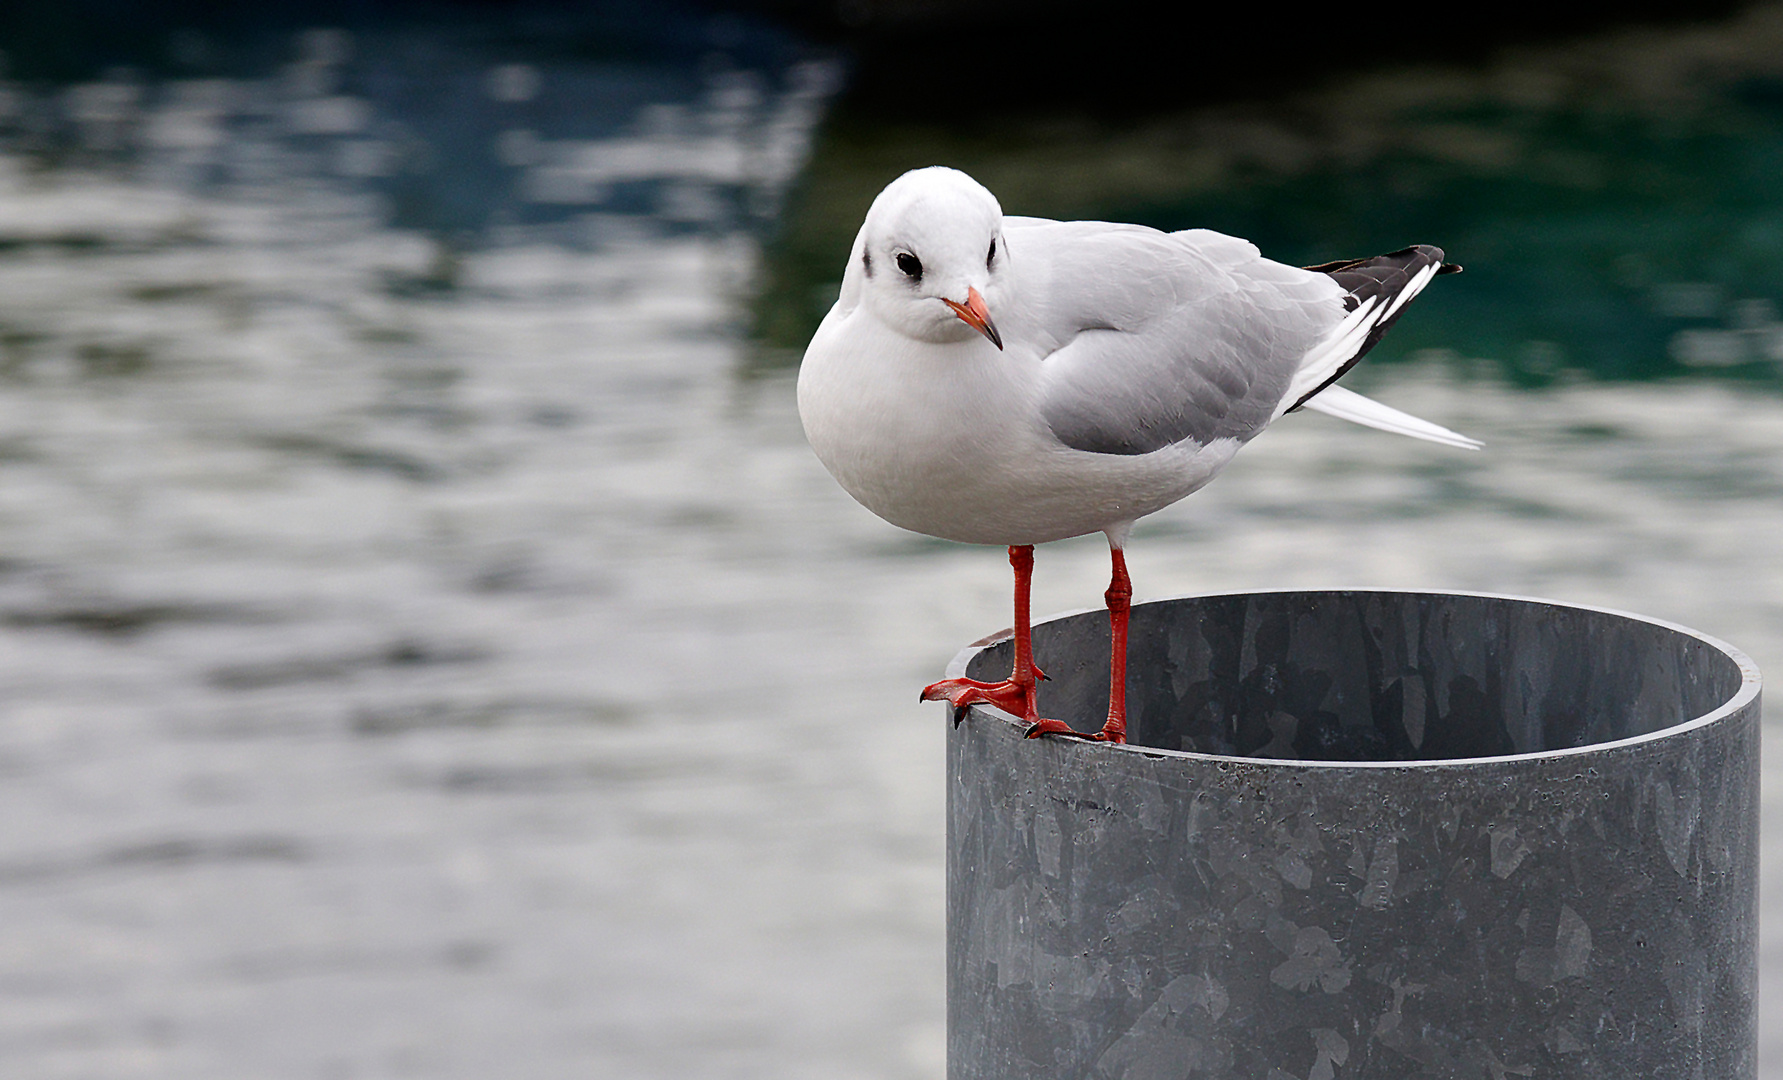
867, 261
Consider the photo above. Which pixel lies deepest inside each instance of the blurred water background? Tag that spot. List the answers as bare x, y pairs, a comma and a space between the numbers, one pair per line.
429, 648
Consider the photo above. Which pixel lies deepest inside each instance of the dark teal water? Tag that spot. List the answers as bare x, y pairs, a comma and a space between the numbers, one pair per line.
430, 648
1617, 202
1605, 243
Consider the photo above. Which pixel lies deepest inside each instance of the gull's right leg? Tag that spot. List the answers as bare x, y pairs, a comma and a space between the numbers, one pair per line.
1014, 695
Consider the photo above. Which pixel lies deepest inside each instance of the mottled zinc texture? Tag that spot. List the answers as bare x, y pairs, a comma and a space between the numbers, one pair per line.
1130, 913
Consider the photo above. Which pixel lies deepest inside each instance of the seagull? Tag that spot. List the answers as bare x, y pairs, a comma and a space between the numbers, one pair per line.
1006, 380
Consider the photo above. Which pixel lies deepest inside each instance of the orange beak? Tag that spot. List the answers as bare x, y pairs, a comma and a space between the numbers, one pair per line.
974, 314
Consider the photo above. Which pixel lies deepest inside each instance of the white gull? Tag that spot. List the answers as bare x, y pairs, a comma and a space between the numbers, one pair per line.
1013, 380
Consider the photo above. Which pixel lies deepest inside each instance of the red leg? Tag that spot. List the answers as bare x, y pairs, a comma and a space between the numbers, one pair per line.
1014, 695
1120, 600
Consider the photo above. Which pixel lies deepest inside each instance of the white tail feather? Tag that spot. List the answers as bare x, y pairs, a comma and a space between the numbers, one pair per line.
1351, 406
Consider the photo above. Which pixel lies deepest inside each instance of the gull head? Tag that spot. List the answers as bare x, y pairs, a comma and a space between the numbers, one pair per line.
930, 259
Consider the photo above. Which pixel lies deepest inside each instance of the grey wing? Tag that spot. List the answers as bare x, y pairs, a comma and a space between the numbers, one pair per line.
1158, 338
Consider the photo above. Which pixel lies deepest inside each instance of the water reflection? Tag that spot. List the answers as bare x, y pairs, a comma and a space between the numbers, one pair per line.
450, 139
395, 595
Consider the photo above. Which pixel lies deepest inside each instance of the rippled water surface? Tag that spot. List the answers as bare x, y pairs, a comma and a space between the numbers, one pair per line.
431, 649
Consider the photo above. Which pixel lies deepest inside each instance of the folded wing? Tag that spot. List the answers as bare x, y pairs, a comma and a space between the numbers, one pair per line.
1158, 338
1153, 339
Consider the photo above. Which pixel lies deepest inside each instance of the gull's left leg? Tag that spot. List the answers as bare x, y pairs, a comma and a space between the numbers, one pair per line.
1120, 601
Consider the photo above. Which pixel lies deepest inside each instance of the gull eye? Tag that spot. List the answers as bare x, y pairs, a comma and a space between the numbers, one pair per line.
911, 265
992, 257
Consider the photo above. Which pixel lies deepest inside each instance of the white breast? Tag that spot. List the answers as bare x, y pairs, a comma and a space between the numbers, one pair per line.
948, 440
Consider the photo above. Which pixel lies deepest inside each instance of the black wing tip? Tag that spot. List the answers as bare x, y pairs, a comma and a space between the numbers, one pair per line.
1383, 277
1416, 253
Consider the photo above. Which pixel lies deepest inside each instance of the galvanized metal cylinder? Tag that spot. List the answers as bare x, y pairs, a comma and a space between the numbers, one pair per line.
1360, 834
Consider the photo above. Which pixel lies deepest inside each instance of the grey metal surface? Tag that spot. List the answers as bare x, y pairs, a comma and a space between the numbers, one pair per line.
1470, 836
